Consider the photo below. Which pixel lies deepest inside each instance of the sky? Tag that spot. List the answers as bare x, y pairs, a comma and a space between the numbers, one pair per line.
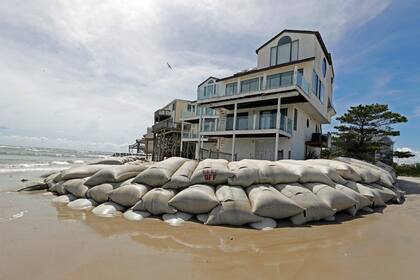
88, 74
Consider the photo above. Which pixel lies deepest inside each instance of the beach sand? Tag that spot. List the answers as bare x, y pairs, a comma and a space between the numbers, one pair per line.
41, 241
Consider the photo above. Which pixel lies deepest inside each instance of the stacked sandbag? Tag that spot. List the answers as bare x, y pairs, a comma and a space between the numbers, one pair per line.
307, 173
76, 187
273, 173
182, 177
244, 173
334, 198
315, 208
100, 193
58, 188
156, 201
80, 172
372, 194
267, 201
342, 168
115, 174
128, 195
108, 209
160, 173
211, 172
362, 201
234, 209
328, 171
196, 199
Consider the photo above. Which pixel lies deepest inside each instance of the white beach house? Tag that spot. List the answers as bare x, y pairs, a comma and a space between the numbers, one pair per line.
273, 111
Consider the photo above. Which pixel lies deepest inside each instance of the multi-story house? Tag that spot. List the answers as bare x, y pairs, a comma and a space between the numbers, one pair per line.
275, 110
167, 129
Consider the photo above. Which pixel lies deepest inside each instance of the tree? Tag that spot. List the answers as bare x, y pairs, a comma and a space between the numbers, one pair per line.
403, 154
361, 129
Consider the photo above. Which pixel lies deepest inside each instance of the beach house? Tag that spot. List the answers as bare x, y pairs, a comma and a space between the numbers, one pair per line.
273, 111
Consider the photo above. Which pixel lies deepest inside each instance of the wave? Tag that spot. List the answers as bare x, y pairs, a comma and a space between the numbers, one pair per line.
32, 169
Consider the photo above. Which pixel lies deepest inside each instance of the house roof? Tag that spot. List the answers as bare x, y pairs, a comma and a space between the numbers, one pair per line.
211, 77
316, 33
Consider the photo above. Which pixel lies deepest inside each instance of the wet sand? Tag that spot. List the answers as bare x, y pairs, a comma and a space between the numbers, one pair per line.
50, 242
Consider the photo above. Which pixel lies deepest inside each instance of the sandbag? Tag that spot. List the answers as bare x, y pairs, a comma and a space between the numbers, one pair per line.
176, 219
181, 178
373, 194
109, 161
306, 173
277, 172
386, 193
211, 172
80, 172
335, 199
128, 195
367, 171
328, 171
108, 209
362, 201
264, 224
65, 198
82, 204
266, 201
234, 209
156, 202
315, 208
202, 217
76, 187
160, 173
115, 174
58, 188
100, 193
133, 215
342, 168
196, 199
53, 178
244, 173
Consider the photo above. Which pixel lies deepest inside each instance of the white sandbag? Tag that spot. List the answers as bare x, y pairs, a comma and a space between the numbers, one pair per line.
364, 169
82, 204
76, 187
176, 219
80, 172
128, 182
362, 201
211, 172
64, 199
342, 168
335, 199
100, 193
389, 169
160, 173
372, 194
267, 201
53, 178
133, 215
182, 177
306, 173
109, 161
244, 173
276, 172
315, 208
234, 209
202, 217
115, 174
265, 224
128, 195
58, 188
156, 202
386, 193
108, 209
328, 171
196, 199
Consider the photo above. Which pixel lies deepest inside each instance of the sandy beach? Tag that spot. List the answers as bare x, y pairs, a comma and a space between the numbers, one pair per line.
41, 241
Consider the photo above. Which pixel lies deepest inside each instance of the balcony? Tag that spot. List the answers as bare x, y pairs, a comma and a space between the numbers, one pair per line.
162, 114
168, 124
294, 79
319, 140
189, 135
201, 112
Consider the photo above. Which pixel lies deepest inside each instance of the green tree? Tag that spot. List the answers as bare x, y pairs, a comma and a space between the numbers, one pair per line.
361, 129
403, 154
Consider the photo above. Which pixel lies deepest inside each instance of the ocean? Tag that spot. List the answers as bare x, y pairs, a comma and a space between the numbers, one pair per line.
17, 159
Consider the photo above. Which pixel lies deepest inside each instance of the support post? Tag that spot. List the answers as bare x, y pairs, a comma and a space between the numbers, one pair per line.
182, 134
276, 149
235, 111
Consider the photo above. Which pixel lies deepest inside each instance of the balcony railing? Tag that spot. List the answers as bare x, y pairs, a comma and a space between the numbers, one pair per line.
189, 135
203, 112
297, 80
166, 124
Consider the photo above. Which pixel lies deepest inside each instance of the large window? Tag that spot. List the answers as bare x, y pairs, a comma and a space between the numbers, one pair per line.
268, 119
318, 87
324, 67
285, 51
241, 121
209, 125
280, 80
231, 88
209, 90
249, 85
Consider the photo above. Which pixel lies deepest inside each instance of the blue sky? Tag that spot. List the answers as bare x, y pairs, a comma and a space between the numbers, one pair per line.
88, 74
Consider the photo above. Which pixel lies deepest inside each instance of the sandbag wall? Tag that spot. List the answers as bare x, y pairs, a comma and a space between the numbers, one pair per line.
218, 192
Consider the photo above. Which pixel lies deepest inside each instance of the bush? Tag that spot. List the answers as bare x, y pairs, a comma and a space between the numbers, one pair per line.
408, 169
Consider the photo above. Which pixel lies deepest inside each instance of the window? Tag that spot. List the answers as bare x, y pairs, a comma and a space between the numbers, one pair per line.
273, 56
280, 80
295, 119
209, 124
231, 88
295, 50
324, 67
307, 123
268, 119
283, 118
190, 108
249, 85
318, 88
322, 92
241, 121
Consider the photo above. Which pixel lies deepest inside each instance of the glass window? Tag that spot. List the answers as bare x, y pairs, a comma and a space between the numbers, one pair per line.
286, 79
321, 92
315, 83
273, 53
209, 124
283, 54
324, 67
229, 122
242, 121
231, 88
268, 119
273, 81
295, 119
210, 90
249, 85
295, 50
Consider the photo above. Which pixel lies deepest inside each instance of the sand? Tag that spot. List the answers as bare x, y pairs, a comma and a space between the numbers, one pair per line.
41, 241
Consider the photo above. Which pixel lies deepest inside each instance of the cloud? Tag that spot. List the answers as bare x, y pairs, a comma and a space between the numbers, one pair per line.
412, 160
94, 71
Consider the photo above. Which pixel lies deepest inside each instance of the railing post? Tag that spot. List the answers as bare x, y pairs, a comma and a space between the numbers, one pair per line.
295, 71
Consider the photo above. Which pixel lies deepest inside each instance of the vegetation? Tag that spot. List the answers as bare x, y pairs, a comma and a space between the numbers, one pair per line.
403, 154
407, 169
361, 129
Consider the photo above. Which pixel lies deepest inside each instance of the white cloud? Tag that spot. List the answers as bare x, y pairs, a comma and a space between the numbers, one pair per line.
412, 160
94, 70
